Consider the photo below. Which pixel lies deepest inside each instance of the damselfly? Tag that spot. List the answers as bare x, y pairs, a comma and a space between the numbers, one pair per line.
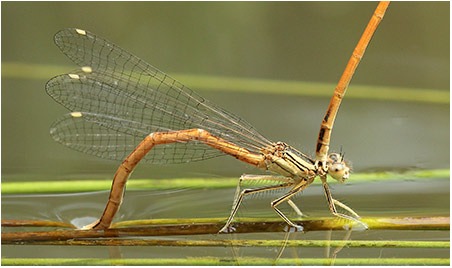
122, 108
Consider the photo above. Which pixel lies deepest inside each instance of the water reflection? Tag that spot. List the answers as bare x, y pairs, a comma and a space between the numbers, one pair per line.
389, 199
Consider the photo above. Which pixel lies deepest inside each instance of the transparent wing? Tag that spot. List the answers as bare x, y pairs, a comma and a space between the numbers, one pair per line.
119, 85
115, 138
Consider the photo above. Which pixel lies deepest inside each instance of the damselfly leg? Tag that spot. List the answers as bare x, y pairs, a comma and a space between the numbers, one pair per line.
240, 194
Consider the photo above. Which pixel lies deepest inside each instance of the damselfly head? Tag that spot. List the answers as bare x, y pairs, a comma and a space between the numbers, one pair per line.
337, 168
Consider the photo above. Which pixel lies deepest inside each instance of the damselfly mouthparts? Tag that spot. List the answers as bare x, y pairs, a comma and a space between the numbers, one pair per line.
122, 108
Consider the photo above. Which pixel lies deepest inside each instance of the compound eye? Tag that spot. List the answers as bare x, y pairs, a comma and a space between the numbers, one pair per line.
333, 157
337, 167
339, 171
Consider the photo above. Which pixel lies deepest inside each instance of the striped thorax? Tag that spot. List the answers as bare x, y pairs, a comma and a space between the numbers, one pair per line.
289, 162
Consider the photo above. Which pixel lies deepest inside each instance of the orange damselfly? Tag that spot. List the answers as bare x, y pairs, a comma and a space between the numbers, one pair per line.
122, 108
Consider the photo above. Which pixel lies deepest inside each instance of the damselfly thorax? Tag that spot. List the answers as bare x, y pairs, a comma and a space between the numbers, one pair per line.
285, 160
282, 159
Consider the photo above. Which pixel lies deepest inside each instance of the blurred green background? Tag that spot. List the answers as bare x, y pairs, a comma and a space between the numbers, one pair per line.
308, 43
288, 41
